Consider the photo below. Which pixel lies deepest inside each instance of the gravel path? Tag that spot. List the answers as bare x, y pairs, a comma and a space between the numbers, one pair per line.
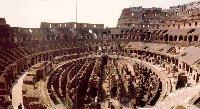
17, 90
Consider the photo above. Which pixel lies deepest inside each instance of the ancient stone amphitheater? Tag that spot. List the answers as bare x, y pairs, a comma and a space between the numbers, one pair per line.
150, 60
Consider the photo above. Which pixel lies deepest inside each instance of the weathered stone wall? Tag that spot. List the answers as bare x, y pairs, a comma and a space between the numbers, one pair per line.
178, 17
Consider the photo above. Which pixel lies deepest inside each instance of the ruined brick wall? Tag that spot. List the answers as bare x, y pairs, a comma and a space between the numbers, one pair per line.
2, 21
181, 16
70, 25
141, 17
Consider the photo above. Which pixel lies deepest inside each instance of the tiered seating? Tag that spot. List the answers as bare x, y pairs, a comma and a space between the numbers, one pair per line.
58, 79
70, 76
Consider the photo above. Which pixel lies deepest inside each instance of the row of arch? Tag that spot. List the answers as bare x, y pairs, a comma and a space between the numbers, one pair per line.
181, 38
161, 37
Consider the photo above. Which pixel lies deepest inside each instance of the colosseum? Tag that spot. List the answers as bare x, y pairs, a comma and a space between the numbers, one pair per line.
151, 59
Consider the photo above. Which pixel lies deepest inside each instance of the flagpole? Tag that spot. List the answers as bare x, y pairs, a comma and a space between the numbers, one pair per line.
76, 11
142, 3
76, 51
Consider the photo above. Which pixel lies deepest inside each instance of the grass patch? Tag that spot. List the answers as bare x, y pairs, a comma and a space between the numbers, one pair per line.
180, 87
180, 107
164, 98
197, 105
192, 98
172, 107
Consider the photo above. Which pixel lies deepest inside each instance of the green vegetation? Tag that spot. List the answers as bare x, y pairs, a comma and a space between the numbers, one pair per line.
180, 107
197, 105
180, 88
164, 98
170, 65
192, 99
182, 85
172, 107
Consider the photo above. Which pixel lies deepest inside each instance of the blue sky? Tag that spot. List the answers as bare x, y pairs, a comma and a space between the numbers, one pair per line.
30, 13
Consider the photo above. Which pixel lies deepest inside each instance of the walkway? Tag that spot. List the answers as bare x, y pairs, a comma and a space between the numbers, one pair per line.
105, 84
17, 90
181, 97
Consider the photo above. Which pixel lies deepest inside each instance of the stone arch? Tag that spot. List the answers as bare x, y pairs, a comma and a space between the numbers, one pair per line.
133, 37
185, 38
170, 38
36, 59
112, 36
12, 39
15, 74
121, 36
111, 48
190, 38
117, 36
39, 59
161, 37
180, 38
54, 55
29, 65
18, 69
22, 68
195, 38
44, 59
175, 38
47, 57
24, 38
155, 38
97, 48
149, 71
166, 37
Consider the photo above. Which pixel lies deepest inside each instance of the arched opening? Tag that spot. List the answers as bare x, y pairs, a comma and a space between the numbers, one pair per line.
36, 60
129, 36
54, 55
180, 38
161, 38
117, 36
24, 38
29, 65
18, 69
175, 38
112, 36
97, 48
170, 38
22, 69
111, 48
195, 38
121, 36
190, 38
39, 59
12, 39
114, 91
166, 37
185, 38
15, 75
133, 37
44, 59
155, 38
25, 66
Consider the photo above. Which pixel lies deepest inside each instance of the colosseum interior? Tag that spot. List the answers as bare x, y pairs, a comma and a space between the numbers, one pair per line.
151, 59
